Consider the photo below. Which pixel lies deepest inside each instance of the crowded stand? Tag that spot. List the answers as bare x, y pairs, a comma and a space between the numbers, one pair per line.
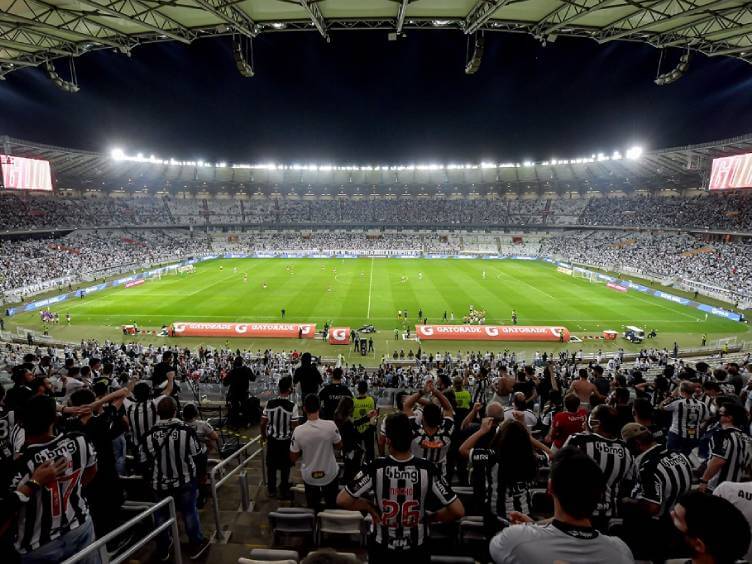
714, 211
33, 265
645, 459
673, 257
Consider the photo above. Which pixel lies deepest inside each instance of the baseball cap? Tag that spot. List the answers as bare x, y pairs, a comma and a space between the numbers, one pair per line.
632, 430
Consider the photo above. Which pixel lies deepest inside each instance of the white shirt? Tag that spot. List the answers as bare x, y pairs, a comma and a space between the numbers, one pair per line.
316, 440
529, 418
739, 494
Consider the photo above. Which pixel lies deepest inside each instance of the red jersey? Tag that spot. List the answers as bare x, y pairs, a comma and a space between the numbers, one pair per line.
566, 423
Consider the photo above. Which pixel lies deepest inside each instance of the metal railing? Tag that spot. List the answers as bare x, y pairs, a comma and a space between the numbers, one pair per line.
100, 545
242, 456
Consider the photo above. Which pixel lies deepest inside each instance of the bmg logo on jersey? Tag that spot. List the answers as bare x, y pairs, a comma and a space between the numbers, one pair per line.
409, 473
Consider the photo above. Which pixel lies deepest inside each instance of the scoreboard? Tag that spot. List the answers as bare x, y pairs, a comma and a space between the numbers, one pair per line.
19, 173
731, 173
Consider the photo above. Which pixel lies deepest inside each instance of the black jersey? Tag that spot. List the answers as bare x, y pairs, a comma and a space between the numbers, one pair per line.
142, 416
687, 416
432, 447
330, 396
735, 447
279, 414
615, 462
59, 508
499, 495
170, 447
402, 490
662, 477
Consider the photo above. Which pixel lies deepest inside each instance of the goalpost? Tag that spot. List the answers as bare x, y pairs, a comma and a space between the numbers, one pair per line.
591, 277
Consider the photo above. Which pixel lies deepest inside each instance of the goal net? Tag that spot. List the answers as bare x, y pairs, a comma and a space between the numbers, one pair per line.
727, 341
585, 274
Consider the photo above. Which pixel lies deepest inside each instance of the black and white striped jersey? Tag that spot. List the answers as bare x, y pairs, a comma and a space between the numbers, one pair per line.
432, 447
402, 491
8, 432
170, 447
735, 447
499, 496
615, 461
280, 413
662, 477
687, 416
142, 416
59, 508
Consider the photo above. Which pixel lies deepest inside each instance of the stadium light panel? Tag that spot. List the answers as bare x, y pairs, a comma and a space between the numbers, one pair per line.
634, 153
117, 154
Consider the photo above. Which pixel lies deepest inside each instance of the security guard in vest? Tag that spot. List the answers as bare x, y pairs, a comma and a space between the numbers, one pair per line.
364, 417
462, 403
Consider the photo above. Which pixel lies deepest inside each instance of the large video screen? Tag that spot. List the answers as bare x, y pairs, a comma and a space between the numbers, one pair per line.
730, 173
25, 174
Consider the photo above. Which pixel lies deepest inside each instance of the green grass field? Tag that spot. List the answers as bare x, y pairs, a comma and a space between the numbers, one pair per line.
354, 292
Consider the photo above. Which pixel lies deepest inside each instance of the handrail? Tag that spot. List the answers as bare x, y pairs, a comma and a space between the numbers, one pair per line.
100, 545
223, 536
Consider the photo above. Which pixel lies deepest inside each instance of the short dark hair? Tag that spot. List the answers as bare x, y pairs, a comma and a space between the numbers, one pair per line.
608, 419
190, 412
100, 388
572, 402
142, 391
576, 481
722, 527
167, 408
432, 415
311, 403
82, 397
397, 430
642, 408
737, 413
362, 387
238, 361
285, 384
621, 395
19, 373
167, 356
39, 413
337, 374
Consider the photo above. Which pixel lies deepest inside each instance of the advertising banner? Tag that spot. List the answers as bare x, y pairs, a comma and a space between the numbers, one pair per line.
617, 287
245, 330
491, 333
731, 173
339, 336
133, 283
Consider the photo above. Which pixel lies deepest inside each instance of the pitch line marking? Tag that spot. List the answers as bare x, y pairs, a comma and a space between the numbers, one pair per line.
525, 283
370, 286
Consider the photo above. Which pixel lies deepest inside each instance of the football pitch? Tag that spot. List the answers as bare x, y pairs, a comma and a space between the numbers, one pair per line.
356, 292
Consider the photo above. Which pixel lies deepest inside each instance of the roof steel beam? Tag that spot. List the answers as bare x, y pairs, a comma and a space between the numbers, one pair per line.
24, 39
401, 14
700, 31
481, 13
140, 13
231, 14
568, 12
651, 15
317, 19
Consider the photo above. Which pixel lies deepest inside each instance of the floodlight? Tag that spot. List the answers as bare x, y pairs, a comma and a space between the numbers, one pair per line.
674, 74
57, 80
242, 52
117, 154
634, 153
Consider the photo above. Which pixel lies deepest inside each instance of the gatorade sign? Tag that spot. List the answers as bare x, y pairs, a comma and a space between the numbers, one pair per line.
245, 330
491, 333
339, 336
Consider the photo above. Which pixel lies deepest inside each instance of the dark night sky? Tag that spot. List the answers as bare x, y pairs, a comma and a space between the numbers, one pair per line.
363, 99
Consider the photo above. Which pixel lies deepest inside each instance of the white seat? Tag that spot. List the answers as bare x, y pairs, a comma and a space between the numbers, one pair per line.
273, 555
341, 522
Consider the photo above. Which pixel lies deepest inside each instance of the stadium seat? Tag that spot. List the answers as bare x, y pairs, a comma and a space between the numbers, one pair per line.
341, 522
292, 524
273, 555
253, 561
298, 494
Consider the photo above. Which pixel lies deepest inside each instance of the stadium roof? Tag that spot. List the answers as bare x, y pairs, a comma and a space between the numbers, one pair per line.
33, 32
676, 168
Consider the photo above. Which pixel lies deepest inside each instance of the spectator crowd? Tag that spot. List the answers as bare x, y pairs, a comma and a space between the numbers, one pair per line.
554, 458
